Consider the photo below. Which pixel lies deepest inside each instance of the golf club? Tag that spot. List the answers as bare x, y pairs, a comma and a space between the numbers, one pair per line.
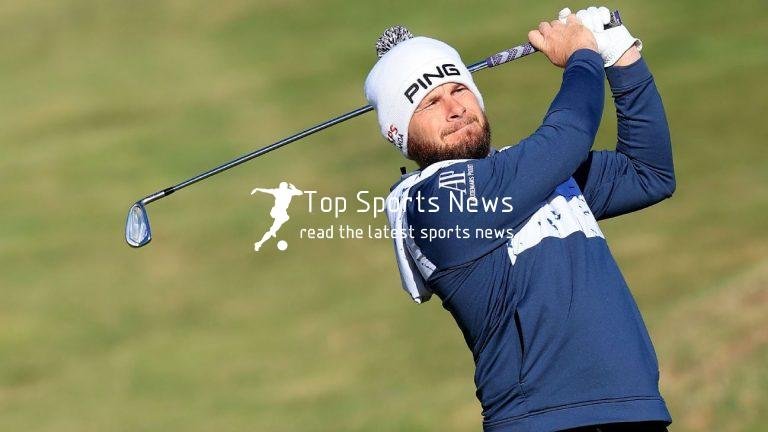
137, 229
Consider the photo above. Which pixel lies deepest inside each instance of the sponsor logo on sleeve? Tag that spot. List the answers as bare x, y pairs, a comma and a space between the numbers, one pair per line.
455, 181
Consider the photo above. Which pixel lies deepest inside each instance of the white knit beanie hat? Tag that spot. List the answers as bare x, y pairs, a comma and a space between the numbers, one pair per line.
404, 74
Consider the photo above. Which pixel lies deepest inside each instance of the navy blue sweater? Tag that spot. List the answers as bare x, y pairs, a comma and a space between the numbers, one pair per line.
556, 336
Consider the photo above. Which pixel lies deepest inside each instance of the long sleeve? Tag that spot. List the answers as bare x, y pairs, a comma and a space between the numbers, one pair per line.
523, 175
640, 172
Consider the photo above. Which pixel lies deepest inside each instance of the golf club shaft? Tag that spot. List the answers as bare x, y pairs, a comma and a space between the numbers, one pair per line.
492, 61
246, 157
317, 128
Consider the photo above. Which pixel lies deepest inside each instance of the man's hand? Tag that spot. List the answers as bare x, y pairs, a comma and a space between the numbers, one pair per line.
615, 45
558, 39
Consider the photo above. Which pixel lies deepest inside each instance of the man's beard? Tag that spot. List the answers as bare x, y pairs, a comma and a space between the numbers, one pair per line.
475, 146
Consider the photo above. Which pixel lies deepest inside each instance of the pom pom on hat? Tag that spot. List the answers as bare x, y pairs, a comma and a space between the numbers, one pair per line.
391, 37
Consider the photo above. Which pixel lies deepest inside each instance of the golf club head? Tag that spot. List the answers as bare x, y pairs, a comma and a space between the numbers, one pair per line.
137, 231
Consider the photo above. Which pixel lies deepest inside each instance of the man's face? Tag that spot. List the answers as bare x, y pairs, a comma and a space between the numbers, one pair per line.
448, 124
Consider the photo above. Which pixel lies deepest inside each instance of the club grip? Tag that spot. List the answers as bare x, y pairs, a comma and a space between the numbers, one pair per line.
510, 54
525, 49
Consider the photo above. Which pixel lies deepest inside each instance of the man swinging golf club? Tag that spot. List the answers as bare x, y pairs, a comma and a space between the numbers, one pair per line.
556, 336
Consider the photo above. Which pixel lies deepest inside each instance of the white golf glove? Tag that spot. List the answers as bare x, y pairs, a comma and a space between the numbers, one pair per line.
611, 43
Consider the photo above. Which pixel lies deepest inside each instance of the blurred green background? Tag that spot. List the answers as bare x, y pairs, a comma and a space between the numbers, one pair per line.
104, 102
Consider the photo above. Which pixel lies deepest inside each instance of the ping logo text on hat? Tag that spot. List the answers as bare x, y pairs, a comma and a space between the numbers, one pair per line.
448, 69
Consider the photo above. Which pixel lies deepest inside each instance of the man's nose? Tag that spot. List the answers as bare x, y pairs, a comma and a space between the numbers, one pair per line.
455, 110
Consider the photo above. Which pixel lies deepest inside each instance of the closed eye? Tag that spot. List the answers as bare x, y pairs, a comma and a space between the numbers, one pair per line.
427, 104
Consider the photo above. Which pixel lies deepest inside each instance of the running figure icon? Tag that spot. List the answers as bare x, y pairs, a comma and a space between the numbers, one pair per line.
283, 195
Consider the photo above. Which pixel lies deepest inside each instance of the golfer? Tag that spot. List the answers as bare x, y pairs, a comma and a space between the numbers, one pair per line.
556, 336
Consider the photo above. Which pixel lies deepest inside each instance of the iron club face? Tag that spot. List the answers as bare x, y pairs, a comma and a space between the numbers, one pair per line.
137, 230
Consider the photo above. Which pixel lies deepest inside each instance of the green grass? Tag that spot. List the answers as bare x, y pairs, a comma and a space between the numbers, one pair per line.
104, 102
